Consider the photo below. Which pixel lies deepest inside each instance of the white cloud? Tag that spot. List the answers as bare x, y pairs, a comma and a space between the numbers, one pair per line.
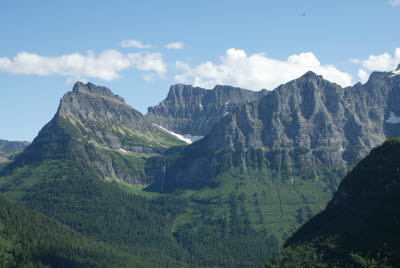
363, 76
383, 63
256, 71
149, 78
105, 66
149, 62
175, 45
394, 2
134, 43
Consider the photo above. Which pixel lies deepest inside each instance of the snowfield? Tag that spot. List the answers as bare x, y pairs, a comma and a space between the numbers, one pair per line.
189, 139
393, 119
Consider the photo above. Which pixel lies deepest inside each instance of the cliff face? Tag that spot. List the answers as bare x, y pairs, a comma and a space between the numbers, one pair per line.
195, 110
13, 146
105, 119
263, 170
10, 149
311, 112
97, 128
337, 126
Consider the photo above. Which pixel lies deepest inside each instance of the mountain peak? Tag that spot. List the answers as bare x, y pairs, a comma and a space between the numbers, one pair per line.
311, 75
93, 89
398, 67
88, 103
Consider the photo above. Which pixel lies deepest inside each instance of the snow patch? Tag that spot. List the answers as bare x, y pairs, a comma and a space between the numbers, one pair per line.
393, 119
192, 138
394, 73
122, 150
186, 137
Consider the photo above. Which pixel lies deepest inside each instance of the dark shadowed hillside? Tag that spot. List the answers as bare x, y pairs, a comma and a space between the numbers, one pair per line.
360, 225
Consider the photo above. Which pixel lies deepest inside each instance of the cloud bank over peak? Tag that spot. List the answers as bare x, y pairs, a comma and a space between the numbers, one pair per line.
256, 71
384, 63
106, 66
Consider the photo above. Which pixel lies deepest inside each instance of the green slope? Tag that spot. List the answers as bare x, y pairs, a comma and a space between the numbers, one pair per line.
256, 199
275, 190
28, 238
165, 229
174, 205
177, 228
360, 226
61, 144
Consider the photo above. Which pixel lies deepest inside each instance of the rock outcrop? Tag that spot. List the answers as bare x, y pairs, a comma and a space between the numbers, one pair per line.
194, 110
13, 146
337, 126
95, 127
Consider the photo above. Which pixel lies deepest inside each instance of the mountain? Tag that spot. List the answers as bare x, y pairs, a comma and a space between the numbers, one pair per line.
359, 227
281, 158
194, 110
229, 199
104, 119
13, 146
333, 126
89, 167
94, 126
9, 150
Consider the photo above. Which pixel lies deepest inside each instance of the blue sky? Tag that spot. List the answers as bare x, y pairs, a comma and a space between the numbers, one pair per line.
47, 45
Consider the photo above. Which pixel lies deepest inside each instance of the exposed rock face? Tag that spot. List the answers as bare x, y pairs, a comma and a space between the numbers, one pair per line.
105, 119
195, 110
88, 102
104, 116
338, 126
311, 112
10, 149
91, 126
13, 146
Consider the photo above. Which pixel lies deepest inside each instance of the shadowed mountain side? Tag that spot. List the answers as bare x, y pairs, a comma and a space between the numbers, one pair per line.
359, 227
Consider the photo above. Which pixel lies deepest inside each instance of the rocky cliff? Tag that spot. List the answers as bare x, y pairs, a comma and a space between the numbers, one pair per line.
194, 110
97, 128
13, 146
336, 126
105, 119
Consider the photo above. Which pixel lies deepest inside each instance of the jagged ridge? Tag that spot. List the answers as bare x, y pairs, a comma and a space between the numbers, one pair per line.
194, 110
96, 127
338, 126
